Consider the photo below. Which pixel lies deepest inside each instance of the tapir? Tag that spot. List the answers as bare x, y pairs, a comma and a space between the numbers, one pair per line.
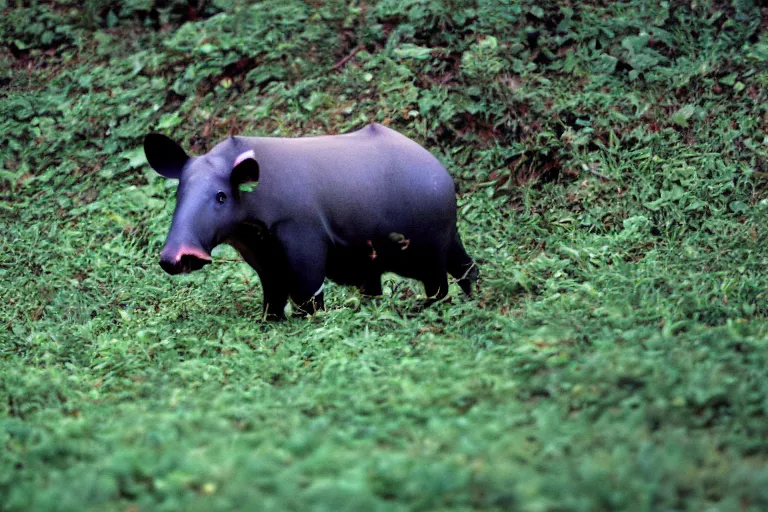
298, 210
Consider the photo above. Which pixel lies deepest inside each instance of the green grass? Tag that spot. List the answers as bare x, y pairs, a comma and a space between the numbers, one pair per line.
611, 165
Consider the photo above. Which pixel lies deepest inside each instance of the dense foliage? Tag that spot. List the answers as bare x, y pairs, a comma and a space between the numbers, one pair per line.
611, 162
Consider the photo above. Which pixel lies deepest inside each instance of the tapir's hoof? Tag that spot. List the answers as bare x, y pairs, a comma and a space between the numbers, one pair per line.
274, 317
310, 307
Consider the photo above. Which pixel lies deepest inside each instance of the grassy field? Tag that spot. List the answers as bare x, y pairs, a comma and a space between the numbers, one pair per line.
611, 160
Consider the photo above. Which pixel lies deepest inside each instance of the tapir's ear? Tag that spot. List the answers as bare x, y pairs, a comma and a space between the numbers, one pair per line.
164, 155
245, 170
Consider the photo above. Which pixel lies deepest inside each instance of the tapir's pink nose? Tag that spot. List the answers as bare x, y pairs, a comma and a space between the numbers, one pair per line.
183, 259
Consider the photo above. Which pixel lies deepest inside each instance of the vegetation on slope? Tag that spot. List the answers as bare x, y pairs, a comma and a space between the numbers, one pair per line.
611, 162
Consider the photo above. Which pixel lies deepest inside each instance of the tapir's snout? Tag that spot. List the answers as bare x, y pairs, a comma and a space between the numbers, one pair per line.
184, 259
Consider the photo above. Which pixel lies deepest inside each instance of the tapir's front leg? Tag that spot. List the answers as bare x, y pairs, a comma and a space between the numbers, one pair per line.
275, 295
306, 253
263, 253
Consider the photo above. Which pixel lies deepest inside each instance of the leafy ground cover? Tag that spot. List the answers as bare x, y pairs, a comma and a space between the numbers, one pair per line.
611, 163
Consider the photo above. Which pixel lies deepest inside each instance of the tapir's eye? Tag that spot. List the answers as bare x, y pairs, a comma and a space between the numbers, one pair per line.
221, 197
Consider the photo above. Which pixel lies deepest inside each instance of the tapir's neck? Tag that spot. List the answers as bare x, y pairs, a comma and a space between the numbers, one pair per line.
261, 207
253, 241
247, 232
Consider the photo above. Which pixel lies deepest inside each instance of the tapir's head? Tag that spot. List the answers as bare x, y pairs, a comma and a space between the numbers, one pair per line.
208, 200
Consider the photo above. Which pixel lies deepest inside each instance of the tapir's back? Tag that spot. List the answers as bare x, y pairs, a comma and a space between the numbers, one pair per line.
371, 180
368, 153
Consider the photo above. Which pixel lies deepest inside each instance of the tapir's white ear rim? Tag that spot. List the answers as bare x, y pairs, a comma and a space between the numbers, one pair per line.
164, 155
245, 169
244, 156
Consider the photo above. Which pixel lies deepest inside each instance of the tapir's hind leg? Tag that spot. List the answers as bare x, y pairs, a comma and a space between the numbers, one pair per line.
461, 266
436, 288
434, 278
371, 286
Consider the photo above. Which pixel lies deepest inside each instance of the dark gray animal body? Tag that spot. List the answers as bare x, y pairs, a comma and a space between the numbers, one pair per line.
347, 207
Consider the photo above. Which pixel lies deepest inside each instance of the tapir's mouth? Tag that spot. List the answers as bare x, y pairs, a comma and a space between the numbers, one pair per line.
184, 261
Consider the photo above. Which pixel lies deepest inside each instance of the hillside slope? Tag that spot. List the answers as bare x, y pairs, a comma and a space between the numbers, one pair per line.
610, 159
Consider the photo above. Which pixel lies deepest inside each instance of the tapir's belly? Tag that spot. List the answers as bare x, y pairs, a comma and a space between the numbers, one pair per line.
349, 266
354, 265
